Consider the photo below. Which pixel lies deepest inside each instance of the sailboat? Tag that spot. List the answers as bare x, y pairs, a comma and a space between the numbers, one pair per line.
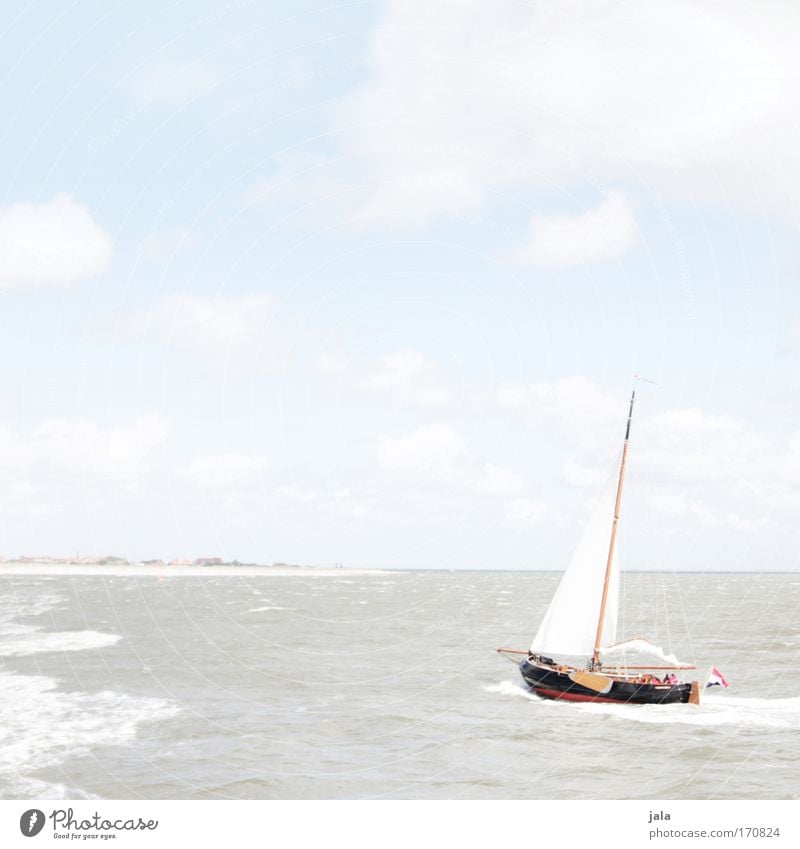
581, 623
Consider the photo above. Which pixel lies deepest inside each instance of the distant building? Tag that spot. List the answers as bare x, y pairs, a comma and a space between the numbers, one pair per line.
208, 561
180, 563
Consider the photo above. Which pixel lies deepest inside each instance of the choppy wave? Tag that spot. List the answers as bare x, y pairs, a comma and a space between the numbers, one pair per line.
14, 629
34, 641
33, 788
18, 639
41, 726
14, 605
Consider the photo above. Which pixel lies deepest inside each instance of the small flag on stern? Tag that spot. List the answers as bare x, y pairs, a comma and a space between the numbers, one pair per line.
716, 678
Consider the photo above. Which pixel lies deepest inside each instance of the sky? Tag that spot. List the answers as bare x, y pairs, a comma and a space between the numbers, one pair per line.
369, 282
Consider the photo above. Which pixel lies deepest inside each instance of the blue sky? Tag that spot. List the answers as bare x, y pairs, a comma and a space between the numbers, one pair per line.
368, 282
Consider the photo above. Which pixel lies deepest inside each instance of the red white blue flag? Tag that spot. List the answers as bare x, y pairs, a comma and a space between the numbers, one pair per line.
716, 678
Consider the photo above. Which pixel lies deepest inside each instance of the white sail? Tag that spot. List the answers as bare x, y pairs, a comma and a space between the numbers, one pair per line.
570, 624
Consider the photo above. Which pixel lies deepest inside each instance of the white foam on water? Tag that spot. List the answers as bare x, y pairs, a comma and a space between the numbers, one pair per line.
41, 727
18, 639
34, 641
713, 711
511, 688
32, 788
268, 607
12, 606
15, 629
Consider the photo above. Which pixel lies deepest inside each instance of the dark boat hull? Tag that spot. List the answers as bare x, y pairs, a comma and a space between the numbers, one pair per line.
551, 683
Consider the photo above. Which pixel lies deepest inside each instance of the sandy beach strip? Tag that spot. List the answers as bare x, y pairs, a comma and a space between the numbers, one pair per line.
140, 570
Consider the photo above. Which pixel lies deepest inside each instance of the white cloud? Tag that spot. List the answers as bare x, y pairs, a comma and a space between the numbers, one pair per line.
165, 244
173, 84
432, 450
691, 445
578, 474
495, 480
716, 471
65, 450
409, 377
677, 505
229, 331
224, 470
297, 493
313, 183
332, 364
559, 241
436, 455
467, 101
52, 243
524, 512
574, 405
693, 422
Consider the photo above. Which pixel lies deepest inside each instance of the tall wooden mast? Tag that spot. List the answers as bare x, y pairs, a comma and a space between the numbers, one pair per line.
598, 638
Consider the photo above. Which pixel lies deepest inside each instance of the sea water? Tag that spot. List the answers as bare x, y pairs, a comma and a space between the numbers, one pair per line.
379, 686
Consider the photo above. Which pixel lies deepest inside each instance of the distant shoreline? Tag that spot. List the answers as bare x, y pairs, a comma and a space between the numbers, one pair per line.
282, 570
15, 567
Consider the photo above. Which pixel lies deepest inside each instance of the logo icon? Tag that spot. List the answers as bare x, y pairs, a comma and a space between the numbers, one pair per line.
31, 822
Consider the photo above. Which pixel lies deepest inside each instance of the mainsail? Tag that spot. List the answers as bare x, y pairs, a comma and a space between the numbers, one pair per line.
570, 624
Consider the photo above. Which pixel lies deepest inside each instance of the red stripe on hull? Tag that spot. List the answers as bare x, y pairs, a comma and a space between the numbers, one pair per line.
563, 695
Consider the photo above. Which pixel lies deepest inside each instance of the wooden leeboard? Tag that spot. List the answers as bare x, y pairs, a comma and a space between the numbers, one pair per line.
694, 693
591, 680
